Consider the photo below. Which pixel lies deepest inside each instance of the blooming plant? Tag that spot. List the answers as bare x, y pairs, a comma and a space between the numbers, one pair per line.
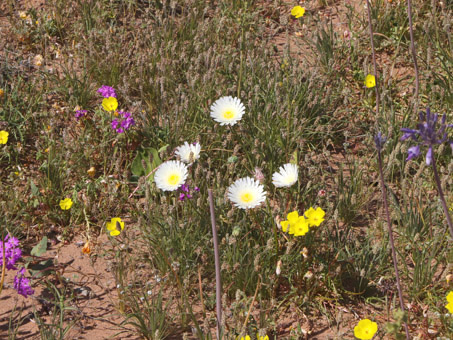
298, 11
12, 251
314, 217
370, 81
227, 110
80, 113
124, 123
115, 226
186, 192
246, 193
107, 91
12, 254
170, 175
22, 284
365, 329
66, 204
299, 225
449, 305
4, 137
110, 104
286, 176
428, 133
295, 225
188, 153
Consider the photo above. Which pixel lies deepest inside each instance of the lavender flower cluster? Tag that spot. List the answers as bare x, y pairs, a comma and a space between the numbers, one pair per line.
123, 124
12, 255
429, 133
107, 91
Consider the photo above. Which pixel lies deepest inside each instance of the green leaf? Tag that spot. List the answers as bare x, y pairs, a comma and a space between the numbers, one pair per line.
145, 161
34, 189
40, 269
40, 248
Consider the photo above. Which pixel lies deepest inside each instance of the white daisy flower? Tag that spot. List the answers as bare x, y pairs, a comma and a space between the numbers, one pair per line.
227, 110
286, 176
188, 153
246, 193
170, 175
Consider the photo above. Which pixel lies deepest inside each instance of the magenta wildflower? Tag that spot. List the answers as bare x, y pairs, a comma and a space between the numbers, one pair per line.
80, 113
123, 124
12, 251
107, 91
186, 192
22, 284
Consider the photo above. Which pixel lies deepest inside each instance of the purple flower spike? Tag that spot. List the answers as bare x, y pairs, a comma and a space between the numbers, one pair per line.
22, 284
413, 152
430, 131
379, 141
107, 91
182, 197
12, 252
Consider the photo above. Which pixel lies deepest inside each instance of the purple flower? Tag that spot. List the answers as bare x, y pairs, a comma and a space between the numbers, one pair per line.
80, 113
186, 192
126, 122
12, 252
22, 284
379, 140
429, 133
413, 152
107, 91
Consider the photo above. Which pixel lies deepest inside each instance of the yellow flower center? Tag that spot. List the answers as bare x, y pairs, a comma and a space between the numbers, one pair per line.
246, 197
173, 179
228, 114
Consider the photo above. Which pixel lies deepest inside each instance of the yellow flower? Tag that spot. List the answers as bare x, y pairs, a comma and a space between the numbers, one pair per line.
3, 137
449, 305
291, 222
315, 217
370, 81
298, 12
115, 226
301, 227
110, 104
297, 225
365, 329
2, 93
263, 337
245, 338
66, 204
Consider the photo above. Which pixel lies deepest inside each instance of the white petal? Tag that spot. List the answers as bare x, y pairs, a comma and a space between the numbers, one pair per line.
227, 110
170, 175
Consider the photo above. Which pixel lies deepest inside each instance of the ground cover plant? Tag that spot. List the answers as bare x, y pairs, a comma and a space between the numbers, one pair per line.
226, 169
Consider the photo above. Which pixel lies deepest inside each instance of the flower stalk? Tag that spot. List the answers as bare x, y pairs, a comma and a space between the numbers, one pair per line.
414, 55
218, 283
380, 140
442, 199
